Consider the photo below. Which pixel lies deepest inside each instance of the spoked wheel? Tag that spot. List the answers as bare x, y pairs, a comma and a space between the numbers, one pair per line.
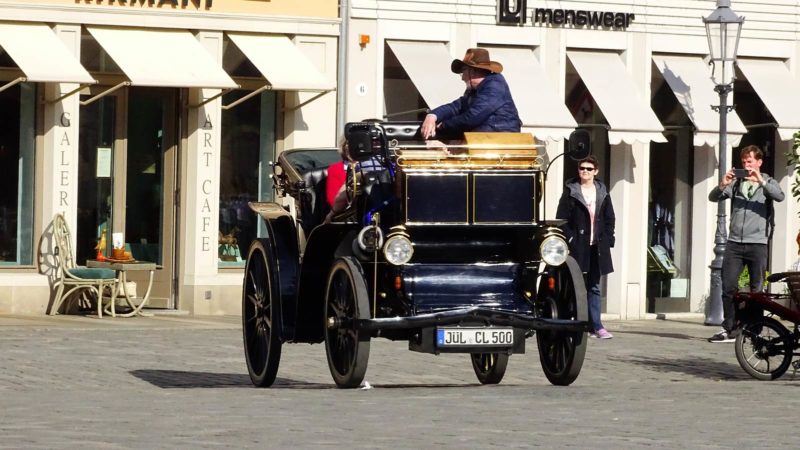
561, 352
763, 349
346, 299
489, 367
260, 318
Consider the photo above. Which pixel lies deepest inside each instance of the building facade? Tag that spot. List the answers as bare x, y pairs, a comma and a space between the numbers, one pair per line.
156, 120
634, 74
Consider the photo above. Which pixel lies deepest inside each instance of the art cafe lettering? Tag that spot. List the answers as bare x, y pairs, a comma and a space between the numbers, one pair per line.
513, 12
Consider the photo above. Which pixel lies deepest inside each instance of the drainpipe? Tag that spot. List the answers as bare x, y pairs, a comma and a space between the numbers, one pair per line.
341, 70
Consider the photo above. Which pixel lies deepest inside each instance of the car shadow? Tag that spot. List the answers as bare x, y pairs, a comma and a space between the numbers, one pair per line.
181, 379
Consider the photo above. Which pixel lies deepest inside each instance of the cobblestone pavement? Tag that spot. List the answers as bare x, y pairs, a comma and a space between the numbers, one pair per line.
181, 382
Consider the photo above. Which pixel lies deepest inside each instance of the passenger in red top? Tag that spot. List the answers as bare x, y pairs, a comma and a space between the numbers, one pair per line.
334, 187
336, 178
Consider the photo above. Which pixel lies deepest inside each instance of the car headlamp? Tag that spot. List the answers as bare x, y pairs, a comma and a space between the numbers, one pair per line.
554, 250
398, 250
370, 238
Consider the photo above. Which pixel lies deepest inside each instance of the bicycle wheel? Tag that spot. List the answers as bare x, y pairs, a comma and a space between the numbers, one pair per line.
763, 349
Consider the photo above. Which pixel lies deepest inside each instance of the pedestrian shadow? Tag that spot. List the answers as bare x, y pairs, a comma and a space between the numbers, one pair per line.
662, 335
180, 379
699, 367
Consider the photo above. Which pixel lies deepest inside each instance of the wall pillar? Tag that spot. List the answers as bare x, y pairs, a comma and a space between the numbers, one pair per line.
200, 196
704, 226
787, 224
60, 142
626, 287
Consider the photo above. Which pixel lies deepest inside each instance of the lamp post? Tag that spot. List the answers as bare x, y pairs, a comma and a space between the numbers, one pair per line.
723, 28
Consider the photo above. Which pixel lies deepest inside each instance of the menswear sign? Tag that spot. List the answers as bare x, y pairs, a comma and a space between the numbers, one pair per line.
513, 12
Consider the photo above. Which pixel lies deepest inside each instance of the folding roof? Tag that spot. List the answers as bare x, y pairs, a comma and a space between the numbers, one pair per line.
166, 58
778, 89
428, 66
689, 77
281, 62
539, 105
629, 115
40, 54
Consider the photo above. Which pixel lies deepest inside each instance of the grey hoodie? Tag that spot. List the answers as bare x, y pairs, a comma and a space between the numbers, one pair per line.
750, 218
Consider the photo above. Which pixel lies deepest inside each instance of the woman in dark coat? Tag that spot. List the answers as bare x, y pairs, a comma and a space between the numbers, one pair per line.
586, 206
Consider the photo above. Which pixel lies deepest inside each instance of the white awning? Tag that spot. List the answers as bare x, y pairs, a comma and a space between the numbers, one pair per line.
428, 66
166, 58
542, 111
611, 86
779, 91
282, 63
41, 55
690, 80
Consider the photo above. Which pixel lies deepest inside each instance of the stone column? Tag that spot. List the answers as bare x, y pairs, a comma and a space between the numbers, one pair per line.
60, 142
629, 183
704, 225
199, 202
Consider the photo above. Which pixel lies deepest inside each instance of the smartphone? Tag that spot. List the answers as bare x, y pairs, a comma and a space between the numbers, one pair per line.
741, 173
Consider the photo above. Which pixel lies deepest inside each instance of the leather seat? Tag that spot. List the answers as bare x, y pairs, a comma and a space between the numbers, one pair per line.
313, 202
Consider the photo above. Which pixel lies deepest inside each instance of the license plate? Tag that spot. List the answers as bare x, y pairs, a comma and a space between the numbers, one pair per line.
474, 337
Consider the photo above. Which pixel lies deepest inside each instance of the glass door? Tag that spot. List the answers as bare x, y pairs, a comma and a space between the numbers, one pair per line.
127, 180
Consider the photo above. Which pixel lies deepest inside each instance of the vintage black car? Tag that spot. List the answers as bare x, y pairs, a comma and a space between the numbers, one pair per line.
443, 247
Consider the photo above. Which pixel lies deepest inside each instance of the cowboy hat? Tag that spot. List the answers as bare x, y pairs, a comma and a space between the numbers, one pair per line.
477, 58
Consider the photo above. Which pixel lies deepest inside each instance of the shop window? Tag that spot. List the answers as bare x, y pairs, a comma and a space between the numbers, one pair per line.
95, 177
401, 98
670, 204
248, 146
17, 134
669, 223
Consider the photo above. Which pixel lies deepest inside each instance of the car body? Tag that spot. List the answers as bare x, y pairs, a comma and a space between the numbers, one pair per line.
443, 247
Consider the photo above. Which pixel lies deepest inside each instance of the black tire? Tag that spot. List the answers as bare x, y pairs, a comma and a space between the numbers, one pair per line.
764, 349
260, 317
489, 367
561, 353
346, 299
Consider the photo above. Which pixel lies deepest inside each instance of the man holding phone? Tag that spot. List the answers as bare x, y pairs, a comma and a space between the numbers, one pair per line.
751, 193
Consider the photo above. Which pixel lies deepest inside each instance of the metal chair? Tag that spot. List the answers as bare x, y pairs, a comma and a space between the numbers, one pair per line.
71, 278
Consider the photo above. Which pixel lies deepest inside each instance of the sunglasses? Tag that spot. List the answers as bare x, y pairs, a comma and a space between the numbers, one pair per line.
586, 169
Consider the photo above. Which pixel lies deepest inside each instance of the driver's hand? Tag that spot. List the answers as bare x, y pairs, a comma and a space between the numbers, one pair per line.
435, 144
428, 128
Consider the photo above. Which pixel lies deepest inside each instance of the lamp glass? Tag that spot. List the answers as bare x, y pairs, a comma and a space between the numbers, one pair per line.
723, 29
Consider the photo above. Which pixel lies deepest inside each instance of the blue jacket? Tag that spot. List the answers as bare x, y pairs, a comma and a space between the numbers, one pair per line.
489, 107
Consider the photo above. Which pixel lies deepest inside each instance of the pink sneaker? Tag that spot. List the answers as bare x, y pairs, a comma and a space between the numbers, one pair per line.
602, 333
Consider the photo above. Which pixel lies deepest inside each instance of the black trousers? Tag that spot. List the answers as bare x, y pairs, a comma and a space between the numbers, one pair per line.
736, 256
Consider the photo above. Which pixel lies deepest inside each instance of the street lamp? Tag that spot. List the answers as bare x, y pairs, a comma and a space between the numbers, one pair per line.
723, 28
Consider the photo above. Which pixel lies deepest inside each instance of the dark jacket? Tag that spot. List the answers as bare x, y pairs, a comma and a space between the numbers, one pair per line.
751, 218
578, 227
489, 107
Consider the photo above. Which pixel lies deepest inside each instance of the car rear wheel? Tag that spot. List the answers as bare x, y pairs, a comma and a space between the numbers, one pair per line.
260, 317
561, 353
763, 349
346, 300
489, 367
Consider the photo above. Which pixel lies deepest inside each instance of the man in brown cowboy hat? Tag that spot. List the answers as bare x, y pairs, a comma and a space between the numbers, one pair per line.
486, 104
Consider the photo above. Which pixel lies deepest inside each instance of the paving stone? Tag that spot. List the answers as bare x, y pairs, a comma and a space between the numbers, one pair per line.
181, 382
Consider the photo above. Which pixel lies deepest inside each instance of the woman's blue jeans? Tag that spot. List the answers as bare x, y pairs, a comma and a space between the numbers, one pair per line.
593, 289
